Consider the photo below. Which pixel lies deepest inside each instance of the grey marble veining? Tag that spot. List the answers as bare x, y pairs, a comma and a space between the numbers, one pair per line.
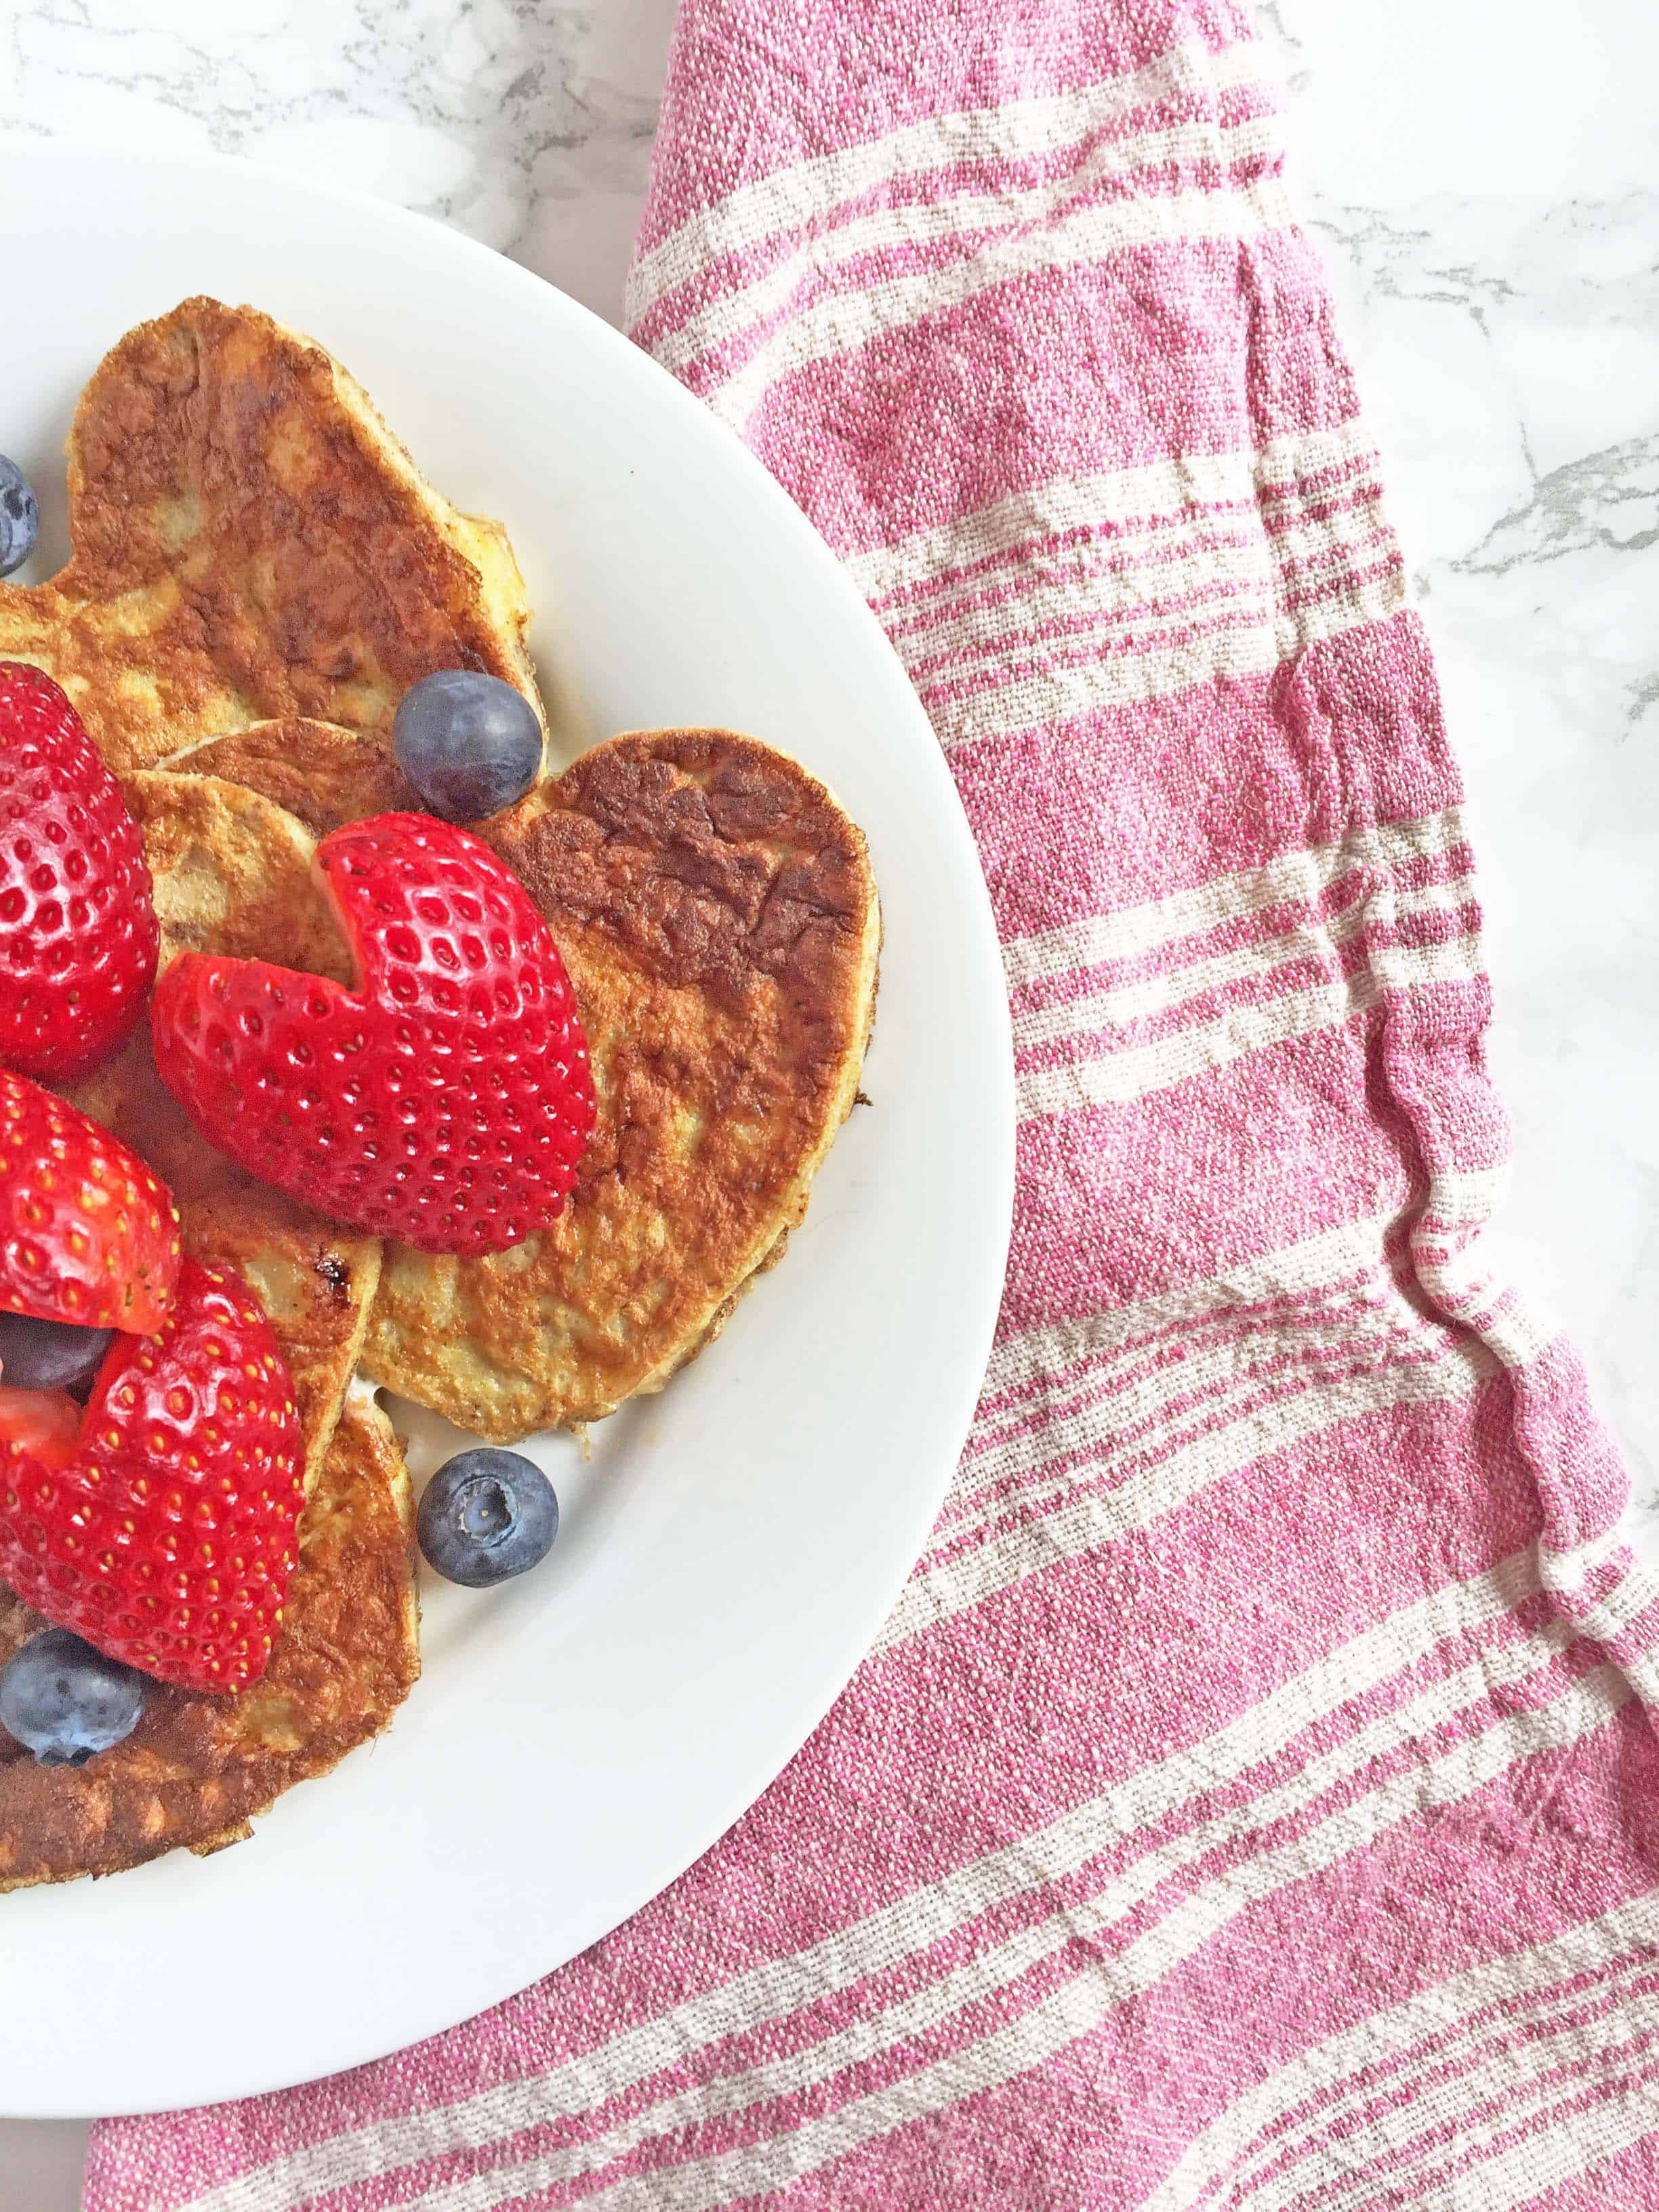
1484, 182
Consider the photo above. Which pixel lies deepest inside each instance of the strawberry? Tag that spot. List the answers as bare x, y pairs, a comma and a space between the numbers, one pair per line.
88, 1234
447, 1099
44, 1423
166, 1534
77, 919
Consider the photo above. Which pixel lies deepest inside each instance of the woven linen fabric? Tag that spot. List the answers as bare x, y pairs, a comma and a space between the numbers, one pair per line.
1251, 1802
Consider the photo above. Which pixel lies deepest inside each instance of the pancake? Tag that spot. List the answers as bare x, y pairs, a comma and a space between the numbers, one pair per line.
233, 875
715, 909
196, 1769
323, 775
250, 541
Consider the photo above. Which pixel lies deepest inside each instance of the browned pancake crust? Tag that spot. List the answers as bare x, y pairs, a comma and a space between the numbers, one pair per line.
323, 777
250, 541
715, 908
196, 1768
233, 875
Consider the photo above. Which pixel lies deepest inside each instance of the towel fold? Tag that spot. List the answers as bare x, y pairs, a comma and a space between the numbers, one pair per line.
1250, 1803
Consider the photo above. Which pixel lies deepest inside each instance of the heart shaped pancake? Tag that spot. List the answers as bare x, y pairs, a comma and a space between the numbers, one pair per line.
250, 540
196, 1769
715, 910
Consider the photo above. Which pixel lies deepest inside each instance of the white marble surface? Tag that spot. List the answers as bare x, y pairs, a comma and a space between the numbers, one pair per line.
1483, 178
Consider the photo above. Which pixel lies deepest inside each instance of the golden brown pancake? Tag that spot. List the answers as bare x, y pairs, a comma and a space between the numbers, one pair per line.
715, 909
322, 776
250, 541
233, 875
196, 1769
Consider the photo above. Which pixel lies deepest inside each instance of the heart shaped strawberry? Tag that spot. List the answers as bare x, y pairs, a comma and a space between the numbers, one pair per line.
445, 1102
88, 1234
77, 920
164, 1533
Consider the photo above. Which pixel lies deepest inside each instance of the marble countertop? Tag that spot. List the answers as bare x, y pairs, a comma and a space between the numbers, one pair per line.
1489, 212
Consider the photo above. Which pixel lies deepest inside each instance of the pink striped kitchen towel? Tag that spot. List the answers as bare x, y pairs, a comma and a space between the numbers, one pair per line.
1251, 1802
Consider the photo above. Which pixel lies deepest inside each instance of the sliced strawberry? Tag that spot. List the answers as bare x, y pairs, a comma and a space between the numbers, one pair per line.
77, 918
88, 1234
43, 1425
168, 1538
447, 1100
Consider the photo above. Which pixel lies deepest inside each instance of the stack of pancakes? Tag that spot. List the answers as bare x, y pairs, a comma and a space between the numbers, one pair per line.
258, 574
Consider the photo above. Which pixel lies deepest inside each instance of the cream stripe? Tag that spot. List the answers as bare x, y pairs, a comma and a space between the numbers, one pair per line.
1432, 2015
1448, 2111
1501, 2057
1150, 1793
1560, 1570
1101, 598
1084, 2004
1033, 695
1173, 987
849, 320
1054, 690
1285, 1359
1110, 590
994, 1970
965, 215
754, 212
1466, 1197
1526, 2170
1310, 1265
1151, 495
1133, 1072
1299, 879
1095, 1520
1373, 1317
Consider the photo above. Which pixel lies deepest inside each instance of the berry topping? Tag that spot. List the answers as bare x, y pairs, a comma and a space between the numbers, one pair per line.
486, 1514
49, 1355
44, 1423
87, 1235
77, 920
65, 1702
469, 744
445, 1102
20, 518
168, 1537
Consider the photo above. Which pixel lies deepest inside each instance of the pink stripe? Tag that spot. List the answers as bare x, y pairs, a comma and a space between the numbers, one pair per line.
1052, 331
1177, 791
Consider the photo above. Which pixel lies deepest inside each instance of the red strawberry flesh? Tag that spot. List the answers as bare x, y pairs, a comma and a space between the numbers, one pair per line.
77, 917
88, 1234
169, 1538
447, 1100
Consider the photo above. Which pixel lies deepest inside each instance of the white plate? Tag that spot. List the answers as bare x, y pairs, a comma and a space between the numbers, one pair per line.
730, 1548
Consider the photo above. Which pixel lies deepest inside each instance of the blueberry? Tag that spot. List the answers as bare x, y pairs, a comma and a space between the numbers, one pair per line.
49, 1355
65, 1702
486, 1514
469, 744
20, 519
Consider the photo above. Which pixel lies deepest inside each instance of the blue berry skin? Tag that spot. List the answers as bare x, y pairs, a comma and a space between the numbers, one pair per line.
20, 518
65, 1702
49, 1355
469, 744
486, 1514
